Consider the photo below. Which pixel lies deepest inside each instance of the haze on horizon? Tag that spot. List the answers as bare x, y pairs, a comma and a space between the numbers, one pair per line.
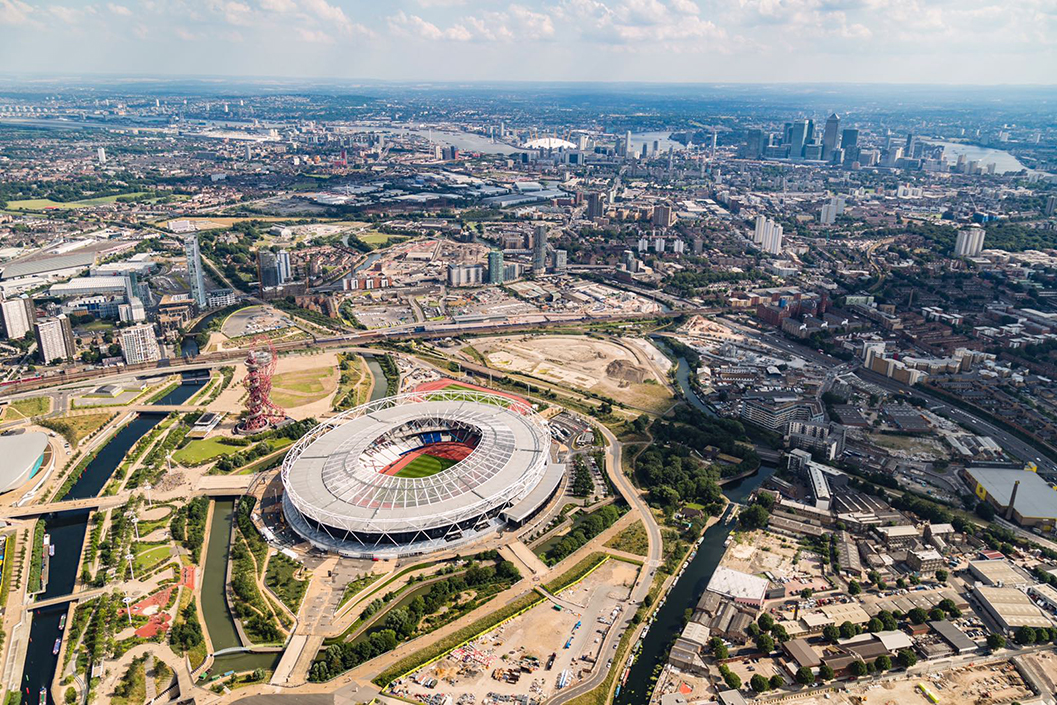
753, 41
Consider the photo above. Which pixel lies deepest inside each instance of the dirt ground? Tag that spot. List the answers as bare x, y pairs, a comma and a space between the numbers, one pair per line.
618, 370
469, 673
997, 683
757, 552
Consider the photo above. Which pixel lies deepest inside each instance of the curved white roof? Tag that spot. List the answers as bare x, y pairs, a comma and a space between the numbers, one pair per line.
328, 475
20, 452
549, 143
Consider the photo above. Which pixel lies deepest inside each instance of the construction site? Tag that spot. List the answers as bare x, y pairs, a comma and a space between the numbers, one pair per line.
550, 647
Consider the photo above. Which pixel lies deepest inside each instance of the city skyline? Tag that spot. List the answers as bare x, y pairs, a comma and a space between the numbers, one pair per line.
889, 41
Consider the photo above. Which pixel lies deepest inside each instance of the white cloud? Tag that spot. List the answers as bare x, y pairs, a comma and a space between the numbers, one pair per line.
185, 34
280, 6
407, 25
69, 15
333, 16
314, 36
14, 12
234, 12
119, 9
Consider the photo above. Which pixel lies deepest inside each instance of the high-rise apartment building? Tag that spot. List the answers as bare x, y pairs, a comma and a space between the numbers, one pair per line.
849, 144
495, 267
970, 242
663, 216
768, 235
101, 154
54, 339
195, 275
561, 261
596, 205
539, 250
797, 139
19, 316
139, 344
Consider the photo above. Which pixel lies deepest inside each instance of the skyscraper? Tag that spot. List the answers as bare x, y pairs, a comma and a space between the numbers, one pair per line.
539, 250
768, 235
101, 154
19, 317
849, 143
797, 139
282, 263
194, 270
139, 344
495, 267
830, 137
754, 143
54, 339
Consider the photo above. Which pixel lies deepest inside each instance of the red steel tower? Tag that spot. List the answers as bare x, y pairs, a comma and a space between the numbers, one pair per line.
261, 411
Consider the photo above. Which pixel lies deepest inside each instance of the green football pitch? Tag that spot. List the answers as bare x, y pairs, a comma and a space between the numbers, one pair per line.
424, 466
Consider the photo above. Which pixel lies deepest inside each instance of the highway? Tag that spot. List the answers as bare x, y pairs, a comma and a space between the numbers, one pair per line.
1010, 443
1014, 445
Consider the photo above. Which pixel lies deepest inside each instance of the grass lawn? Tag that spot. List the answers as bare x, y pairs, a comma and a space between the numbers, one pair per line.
302, 387
76, 428
280, 579
203, 450
424, 466
36, 204
26, 408
631, 540
149, 555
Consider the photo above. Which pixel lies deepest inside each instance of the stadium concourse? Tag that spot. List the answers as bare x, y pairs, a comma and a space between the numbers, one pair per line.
419, 472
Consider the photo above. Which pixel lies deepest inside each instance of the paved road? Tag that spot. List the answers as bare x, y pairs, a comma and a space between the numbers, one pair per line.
615, 469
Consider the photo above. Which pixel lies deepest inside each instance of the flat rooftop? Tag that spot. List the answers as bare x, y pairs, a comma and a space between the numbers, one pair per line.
1035, 498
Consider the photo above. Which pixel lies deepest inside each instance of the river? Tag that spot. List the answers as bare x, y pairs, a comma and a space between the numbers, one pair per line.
380, 390
67, 530
669, 618
1003, 161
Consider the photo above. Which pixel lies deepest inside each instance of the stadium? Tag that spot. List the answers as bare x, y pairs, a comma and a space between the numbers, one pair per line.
419, 472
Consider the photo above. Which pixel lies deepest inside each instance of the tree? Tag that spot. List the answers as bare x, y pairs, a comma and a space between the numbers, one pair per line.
731, 678
917, 615
936, 614
779, 633
875, 625
996, 642
901, 583
759, 684
719, 649
755, 517
806, 593
985, 511
831, 632
848, 630
941, 575
825, 672
907, 658
776, 682
854, 588
882, 663
804, 676
857, 668
1024, 636
765, 643
765, 621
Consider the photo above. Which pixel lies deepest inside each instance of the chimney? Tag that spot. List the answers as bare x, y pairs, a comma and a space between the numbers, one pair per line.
1012, 500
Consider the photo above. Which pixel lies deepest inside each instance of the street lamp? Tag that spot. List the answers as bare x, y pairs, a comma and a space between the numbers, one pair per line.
130, 558
128, 608
135, 522
147, 487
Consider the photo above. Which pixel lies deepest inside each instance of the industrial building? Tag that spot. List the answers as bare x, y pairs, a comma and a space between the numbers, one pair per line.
1010, 608
1020, 496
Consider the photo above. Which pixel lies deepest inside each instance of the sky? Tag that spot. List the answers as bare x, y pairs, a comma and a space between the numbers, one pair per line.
751, 41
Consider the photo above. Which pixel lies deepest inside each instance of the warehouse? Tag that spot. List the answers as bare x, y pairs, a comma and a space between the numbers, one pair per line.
1000, 573
1010, 608
1034, 502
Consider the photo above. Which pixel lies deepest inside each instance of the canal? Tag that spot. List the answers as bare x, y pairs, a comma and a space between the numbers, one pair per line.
380, 390
669, 618
67, 530
220, 624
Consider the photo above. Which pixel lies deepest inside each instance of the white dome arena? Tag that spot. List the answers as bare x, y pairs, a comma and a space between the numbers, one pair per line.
418, 472
549, 143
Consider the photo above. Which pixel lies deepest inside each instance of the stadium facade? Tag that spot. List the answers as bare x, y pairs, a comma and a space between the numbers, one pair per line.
419, 472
